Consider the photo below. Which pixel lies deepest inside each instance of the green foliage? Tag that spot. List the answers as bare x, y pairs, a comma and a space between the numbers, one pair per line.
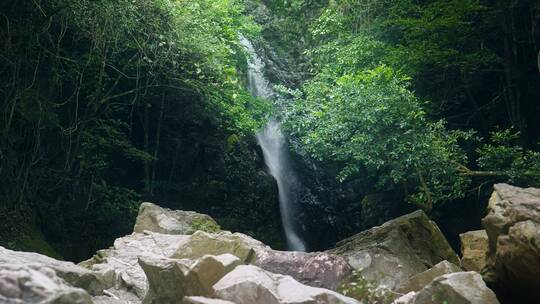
373, 65
506, 157
106, 101
203, 224
367, 292
370, 123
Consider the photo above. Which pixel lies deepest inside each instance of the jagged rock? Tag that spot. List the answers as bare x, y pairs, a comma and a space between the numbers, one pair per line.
172, 279
119, 264
513, 228
202, 300
202, 243
317, 269
418, 281
393, 252
474, 249
71, 273
454, 288
314, 269
248, 284
20, 284
154, 218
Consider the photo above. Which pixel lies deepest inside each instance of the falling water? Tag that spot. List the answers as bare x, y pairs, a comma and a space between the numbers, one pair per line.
275, 151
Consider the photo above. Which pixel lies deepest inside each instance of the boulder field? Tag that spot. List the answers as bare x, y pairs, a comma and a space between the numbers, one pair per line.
183, 257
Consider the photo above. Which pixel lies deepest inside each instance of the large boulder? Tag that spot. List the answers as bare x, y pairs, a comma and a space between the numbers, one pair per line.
154, 218
453, 288
418, 281
202, 243
171, 280
474, 250
317, 269
248, 284
20, 284
513, 228
74, 275
393, 252
119, 264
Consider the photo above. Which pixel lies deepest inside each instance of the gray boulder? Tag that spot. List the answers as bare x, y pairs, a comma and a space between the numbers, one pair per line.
513, 228
20, 284
317, 269
74, 275
172, 279
202, 243
453, 288
393, 252
248, 284
119, 265
419, 281
154, 218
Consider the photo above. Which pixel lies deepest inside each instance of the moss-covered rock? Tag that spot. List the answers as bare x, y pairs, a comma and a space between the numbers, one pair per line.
162, 220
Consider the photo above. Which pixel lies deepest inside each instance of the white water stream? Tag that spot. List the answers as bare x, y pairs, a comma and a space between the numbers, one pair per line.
275, 150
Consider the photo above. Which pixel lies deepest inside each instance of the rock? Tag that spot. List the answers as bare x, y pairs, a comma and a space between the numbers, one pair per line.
418, 281
69, 272
202, 300
117, 296
314, 269
248, 284
474, 249
393, 252
162, 220
317, 269
513, 228
202, 243
453, 288
119, 264
20, 284
172, 279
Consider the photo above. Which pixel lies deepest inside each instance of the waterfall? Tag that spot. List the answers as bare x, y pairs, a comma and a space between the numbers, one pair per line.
275, 151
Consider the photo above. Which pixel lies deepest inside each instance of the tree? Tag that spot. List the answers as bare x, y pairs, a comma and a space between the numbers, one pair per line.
372, 127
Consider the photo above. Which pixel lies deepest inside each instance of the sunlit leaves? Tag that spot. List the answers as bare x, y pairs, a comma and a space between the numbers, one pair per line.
370, 123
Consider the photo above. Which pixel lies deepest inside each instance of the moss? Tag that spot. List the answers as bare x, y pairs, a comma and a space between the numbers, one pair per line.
205, 224
18, 232
34, 241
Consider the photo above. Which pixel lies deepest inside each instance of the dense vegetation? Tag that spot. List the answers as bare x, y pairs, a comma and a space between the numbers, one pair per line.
433, 97
111, 102
106, 103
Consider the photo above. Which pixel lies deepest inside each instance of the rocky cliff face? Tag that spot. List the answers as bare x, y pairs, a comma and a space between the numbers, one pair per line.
512, 224
170, 258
